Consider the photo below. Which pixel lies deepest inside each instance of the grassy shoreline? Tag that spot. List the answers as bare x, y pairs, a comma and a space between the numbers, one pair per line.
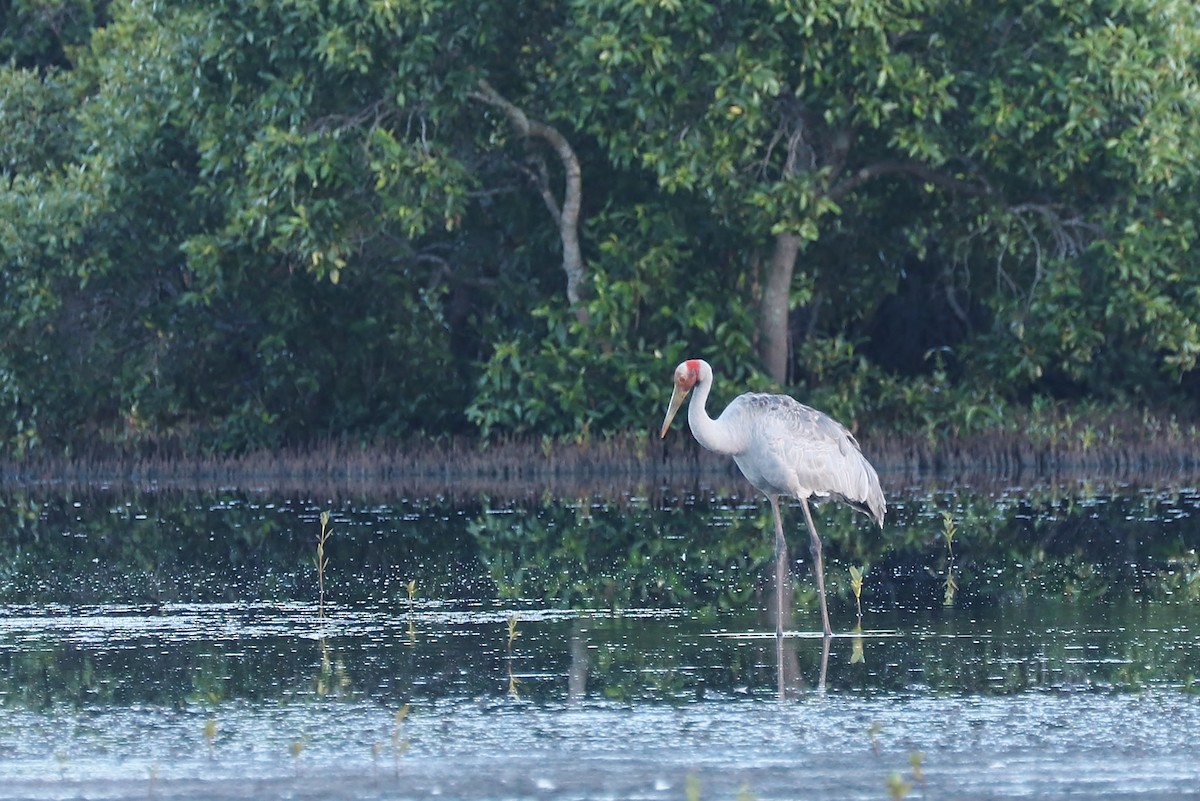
1109, 449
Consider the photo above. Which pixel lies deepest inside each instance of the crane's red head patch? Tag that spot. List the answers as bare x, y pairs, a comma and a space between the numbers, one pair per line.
687, 374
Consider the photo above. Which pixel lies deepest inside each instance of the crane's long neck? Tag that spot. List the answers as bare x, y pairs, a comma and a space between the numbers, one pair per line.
712, 434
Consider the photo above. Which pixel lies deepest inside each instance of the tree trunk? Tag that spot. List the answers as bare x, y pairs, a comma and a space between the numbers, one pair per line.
773, 309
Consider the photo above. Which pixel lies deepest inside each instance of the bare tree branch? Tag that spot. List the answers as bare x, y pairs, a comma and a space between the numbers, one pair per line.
376, 113
539, 175
911, 169
566, 215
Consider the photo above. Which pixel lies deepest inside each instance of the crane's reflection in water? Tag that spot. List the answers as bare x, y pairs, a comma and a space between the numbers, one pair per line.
777, 612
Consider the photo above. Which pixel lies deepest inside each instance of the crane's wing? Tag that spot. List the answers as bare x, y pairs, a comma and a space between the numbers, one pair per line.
793, 449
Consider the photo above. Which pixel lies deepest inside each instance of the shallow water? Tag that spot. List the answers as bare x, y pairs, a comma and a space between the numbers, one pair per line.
172, 645
831, 746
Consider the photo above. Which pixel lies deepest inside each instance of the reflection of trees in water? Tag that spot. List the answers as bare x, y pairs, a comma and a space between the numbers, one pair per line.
1036, 570
699, 550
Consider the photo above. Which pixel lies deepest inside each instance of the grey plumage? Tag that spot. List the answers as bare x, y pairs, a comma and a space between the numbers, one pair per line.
807, 452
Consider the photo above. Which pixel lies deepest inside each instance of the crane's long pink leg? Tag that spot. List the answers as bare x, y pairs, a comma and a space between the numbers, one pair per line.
818, 564
780, 577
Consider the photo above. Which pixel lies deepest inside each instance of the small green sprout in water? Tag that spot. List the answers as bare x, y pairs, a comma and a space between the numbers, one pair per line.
296, 749
412, 627
856, 646
399, 739
513, 634
210, 736
744, 794
950, 591
325, 673
897, 787
949, 529
873, 735
691, 790
322, 562
856, 585
915, 761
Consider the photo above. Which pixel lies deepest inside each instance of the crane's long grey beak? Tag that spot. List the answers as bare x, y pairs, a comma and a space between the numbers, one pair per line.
676, 401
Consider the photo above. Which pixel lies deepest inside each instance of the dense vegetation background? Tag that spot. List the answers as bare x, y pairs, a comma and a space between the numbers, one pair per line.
239, 224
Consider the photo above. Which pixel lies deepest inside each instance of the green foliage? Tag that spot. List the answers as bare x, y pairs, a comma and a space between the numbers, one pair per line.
36, 34
653, 303
234, 225
1083, 275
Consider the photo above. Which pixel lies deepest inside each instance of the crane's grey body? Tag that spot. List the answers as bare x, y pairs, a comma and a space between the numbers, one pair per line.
787, 448
783, 448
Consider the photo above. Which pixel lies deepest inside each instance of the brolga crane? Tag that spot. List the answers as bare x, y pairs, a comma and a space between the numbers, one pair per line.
783, 448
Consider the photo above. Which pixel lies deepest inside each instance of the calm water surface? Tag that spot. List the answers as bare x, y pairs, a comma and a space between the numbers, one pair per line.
1013, 643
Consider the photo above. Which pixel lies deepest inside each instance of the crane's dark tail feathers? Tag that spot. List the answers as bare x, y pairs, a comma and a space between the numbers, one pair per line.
865, 508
